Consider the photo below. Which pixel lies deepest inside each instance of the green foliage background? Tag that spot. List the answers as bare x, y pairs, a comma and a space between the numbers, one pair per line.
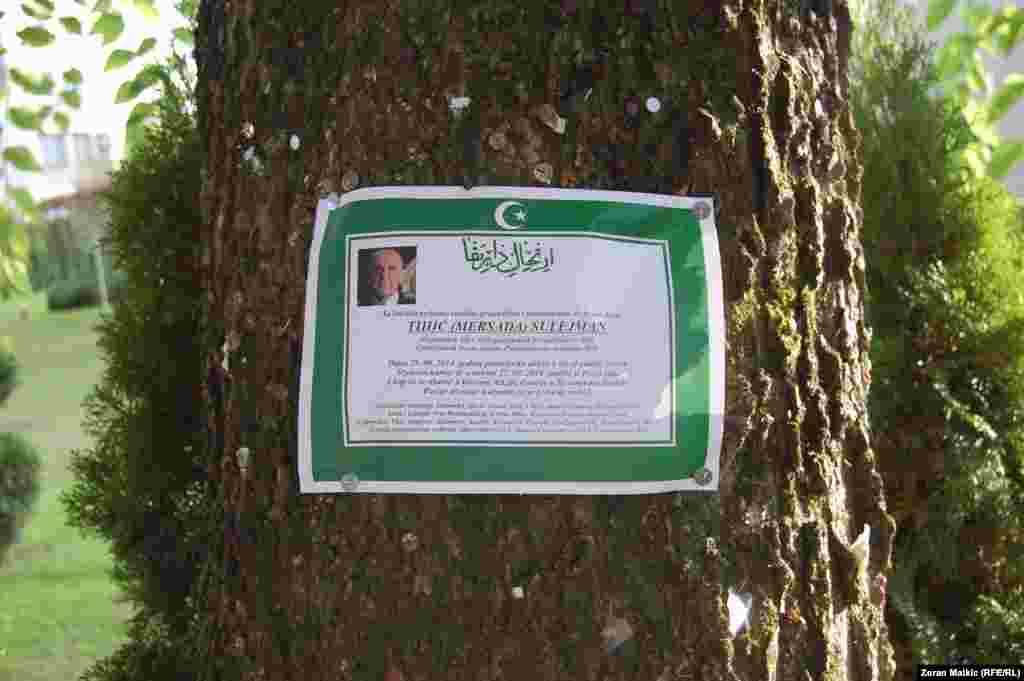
944, 248
142, 485
42, 24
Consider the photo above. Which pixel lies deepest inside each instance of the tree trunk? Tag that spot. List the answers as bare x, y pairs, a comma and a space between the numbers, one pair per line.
330, 586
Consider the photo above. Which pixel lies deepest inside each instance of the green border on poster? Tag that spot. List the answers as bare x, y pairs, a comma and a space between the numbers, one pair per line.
689, 249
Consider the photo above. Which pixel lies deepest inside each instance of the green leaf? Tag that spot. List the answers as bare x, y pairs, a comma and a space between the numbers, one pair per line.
954, 55
23, 118
71, 25
101, 6
131, 89
146, 45
110, 25
36, 36
1006, 97
19, 245
62, 121
47, 5
118, 58
140, 112
1011, 32
36, 85
128, 90
938, 10
147, 8
184, 35
23, 199
21, 158
1005, 155
73, 77
977, 76
35, 13
71, 98
978, 17
14, 275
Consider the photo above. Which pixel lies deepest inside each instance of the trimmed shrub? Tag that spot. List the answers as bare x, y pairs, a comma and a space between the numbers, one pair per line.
40, 267
8, 374
142, 482
77, 293
151, 653
19, 486
72, 294
942, 265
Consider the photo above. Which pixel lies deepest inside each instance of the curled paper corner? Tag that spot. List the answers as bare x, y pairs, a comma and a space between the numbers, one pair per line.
861, 546
739, 610
664, 408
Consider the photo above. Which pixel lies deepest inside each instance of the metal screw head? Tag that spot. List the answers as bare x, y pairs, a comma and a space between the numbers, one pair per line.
702, 476
294, 142
349, 482
653, 104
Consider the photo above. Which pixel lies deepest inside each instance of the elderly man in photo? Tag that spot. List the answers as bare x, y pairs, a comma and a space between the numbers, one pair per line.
383, 285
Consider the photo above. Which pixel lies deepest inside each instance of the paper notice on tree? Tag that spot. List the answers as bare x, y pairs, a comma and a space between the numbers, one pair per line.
512, 340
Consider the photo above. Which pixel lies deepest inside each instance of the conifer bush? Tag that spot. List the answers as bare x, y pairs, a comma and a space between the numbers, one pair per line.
943, 267
19, 486
84, 292
142, 484
8, 374
72, 294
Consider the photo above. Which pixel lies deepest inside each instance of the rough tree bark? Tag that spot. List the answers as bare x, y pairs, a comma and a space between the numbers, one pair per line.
331, 587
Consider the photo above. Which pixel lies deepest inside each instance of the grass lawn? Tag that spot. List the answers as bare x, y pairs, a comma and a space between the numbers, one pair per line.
57, 608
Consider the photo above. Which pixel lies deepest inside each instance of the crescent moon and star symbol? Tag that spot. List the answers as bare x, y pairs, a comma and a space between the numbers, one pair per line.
519, 215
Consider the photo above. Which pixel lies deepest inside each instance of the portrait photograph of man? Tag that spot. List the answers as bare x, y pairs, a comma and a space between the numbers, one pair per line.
387, 276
